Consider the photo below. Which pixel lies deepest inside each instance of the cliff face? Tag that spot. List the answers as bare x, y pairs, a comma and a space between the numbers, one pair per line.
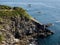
18, 28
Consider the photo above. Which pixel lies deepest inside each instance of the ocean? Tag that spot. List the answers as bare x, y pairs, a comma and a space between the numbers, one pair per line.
45, 11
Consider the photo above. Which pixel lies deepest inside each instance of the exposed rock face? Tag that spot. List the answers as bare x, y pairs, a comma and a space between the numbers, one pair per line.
19, 30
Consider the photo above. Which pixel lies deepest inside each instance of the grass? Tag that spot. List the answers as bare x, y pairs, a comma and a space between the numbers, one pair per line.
22, 12
8, 11
4, 7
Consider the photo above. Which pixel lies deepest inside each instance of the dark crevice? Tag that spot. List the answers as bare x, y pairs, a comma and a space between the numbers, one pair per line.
17, 35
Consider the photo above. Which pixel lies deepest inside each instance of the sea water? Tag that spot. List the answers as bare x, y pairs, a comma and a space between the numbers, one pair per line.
45, 11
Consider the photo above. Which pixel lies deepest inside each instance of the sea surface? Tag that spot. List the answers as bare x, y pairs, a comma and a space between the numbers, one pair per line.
45, 11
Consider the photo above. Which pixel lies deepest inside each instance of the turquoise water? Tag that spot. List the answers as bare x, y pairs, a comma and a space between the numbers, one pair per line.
49, 13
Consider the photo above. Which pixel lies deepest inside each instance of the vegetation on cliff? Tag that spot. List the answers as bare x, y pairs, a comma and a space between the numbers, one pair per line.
12, 11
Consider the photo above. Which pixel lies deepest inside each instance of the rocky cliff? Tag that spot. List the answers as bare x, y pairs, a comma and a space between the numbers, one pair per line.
17, 27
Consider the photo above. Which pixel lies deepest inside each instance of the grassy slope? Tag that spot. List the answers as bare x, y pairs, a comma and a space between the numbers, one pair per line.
14, 11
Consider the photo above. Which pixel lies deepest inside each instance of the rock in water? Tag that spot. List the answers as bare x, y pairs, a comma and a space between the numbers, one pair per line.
17, 27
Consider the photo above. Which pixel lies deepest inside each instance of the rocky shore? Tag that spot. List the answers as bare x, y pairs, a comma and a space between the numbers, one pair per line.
18, 28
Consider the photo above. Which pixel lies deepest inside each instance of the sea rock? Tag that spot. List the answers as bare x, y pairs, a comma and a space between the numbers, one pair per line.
18, 28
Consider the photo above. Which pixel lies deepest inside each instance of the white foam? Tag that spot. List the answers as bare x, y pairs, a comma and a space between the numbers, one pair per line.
31, 44
58, 21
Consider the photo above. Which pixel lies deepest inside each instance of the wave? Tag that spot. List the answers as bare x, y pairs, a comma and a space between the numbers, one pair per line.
57, 21
32, 3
